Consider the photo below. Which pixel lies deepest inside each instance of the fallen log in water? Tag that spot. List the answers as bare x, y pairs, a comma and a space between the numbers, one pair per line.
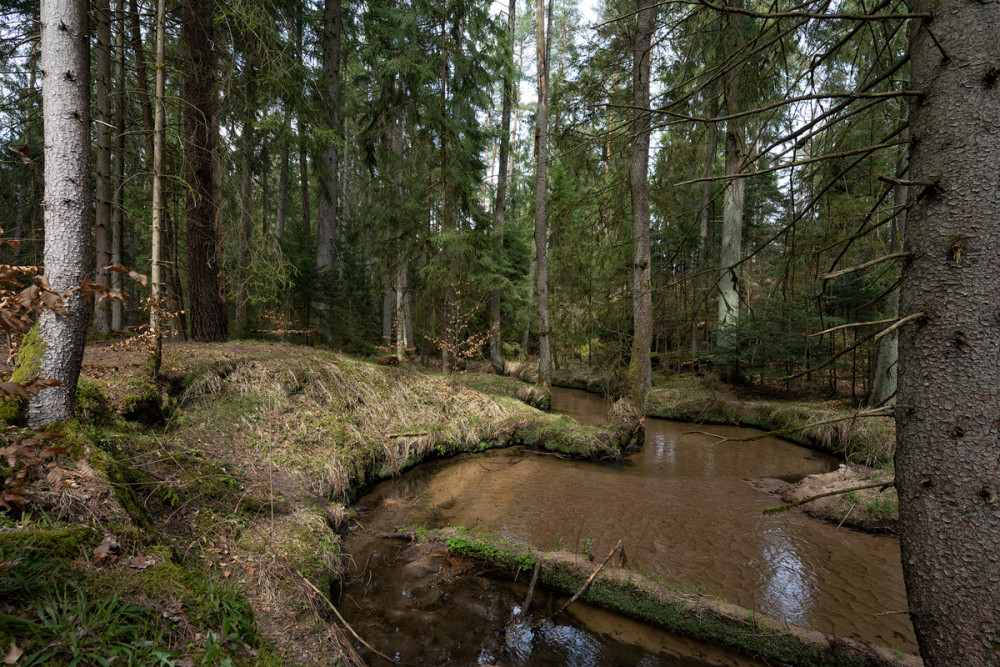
636, 595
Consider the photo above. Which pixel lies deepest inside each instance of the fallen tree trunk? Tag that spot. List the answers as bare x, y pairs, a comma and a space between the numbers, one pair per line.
636, 595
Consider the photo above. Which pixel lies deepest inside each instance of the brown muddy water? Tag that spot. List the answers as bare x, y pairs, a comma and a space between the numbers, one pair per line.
688, 514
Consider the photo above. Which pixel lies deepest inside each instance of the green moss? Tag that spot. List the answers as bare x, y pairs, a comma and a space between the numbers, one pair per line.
60, 543
92, 405
29, 365
641, 598
127, 482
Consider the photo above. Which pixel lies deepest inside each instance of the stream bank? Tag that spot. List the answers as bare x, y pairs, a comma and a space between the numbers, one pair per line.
204, 506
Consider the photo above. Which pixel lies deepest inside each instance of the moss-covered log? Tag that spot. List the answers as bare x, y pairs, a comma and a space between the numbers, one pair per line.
640, 597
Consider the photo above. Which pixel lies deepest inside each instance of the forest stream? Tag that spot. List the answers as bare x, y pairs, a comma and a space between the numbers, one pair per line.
690, 511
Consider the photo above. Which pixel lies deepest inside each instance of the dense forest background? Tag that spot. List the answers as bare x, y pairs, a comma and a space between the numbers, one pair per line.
340, 174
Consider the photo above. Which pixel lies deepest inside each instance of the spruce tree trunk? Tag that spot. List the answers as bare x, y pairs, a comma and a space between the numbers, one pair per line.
947, 411
326, 217
711, 135
246, 220
541, 194
642, 305
209, 317
66, 108
304, 181
118, 169
732, 204
102, 162
884, 378
500, 206
283, 168
145, 105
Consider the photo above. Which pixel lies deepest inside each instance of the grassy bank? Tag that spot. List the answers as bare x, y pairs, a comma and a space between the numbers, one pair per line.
204, 506
868, 441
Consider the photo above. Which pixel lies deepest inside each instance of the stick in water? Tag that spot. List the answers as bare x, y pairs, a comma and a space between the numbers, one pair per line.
346, 624
585, 584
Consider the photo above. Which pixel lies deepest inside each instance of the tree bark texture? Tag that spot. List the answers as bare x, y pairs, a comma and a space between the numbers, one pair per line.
209, 317
642, 304
731, 249
66, 108
500, 206
118, 168
326, 217
541, 195
711, 136
948, 404
102, 162
283, 168
143, 82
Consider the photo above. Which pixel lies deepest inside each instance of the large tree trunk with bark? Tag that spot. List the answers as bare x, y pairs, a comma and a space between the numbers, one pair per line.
947, 435
102, 162
209, 317
500, 205
642, 305
66, 108
118, 169
727, 341
326, 217
541, 196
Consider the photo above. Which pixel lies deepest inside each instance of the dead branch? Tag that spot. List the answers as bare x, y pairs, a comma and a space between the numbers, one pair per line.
901, 322
851, 326
861, 267
904, 182
347, 625
531, 588
406, 434
586, 584
877, 412
782, 508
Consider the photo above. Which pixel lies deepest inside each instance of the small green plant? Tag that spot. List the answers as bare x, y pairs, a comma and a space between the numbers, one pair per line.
586, 546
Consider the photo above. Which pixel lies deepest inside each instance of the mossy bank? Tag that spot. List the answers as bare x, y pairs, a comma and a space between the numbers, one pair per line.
204, 505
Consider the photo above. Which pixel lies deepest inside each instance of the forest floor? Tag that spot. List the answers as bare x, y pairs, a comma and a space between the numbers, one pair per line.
204, 514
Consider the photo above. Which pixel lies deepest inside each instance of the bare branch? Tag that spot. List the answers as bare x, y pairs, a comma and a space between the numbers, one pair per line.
861, 267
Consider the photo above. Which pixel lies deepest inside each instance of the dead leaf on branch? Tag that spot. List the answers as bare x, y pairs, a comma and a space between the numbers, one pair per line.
24, 152
134, 275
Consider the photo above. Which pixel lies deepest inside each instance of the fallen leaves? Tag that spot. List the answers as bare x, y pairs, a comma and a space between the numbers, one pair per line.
13, 655
105, 551
140, 562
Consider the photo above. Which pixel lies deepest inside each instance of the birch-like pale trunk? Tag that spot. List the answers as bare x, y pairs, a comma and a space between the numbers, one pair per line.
102, 162
541, 195
67, 258
731, 243
159, 130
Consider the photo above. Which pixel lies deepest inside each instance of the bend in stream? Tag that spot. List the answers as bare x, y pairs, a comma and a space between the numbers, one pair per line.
689, 514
